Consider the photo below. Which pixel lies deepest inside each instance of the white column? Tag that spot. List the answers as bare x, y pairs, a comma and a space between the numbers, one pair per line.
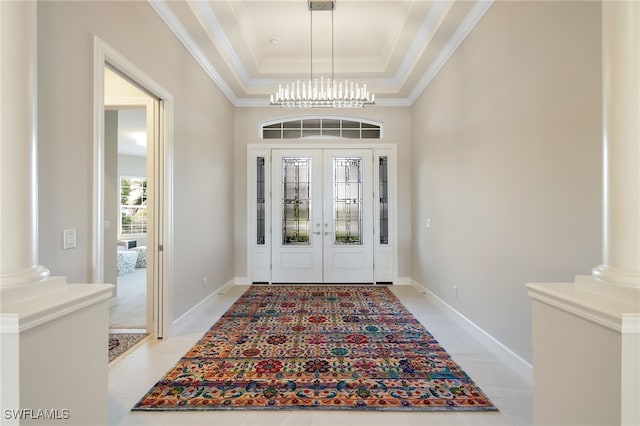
18, 156
588, 332
621, 137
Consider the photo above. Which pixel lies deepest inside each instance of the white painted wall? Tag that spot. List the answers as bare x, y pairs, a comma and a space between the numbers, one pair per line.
203, 141
507, 164
397, 130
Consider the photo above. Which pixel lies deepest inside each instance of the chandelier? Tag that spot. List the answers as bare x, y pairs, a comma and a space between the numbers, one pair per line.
323, 92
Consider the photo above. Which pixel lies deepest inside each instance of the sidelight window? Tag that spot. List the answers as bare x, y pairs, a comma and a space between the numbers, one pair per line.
260, 206
383, 176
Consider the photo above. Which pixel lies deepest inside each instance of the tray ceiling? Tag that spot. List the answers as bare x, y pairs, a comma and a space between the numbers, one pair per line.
249, 47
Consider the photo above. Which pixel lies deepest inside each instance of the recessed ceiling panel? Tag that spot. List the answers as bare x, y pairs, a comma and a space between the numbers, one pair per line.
254, 45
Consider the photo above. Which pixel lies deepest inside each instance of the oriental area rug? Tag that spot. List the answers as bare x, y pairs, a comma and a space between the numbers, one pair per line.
120, 343
316, 347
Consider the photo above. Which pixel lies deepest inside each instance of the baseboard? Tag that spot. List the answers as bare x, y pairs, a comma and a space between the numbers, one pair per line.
241, 281
200, 305
515, 361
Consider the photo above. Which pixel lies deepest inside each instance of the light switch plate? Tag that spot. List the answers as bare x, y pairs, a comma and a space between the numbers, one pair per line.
69, 239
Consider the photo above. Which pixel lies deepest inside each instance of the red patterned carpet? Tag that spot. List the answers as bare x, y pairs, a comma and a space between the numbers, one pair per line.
317, 347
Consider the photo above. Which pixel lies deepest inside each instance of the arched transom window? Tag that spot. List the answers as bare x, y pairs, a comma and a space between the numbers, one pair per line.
321, 128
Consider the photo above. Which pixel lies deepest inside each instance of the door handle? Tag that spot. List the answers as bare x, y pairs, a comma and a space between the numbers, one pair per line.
327, 232
317, 232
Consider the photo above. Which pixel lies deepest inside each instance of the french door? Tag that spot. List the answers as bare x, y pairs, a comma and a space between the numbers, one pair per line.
322, 216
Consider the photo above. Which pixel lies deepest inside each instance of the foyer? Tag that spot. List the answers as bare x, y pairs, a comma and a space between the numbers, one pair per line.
516, 151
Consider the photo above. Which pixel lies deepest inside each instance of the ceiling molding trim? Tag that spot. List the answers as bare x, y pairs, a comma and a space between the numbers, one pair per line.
429, 27
248, 32
392, 102
170, 19
206, 15
473, 17
253, 102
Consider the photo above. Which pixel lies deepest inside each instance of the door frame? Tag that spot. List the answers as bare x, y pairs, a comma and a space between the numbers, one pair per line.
160, 240
259, 256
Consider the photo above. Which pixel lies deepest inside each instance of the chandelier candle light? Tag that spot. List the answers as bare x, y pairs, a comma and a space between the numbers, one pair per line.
323, 93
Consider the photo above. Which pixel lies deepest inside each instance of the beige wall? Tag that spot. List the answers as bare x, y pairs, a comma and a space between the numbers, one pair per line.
203, 141
507, 163
397, 130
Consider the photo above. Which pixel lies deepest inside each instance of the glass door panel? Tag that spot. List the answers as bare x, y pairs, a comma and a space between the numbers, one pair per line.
296, 200
347, 200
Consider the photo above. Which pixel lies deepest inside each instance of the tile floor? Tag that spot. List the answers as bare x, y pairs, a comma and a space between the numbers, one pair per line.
133, 376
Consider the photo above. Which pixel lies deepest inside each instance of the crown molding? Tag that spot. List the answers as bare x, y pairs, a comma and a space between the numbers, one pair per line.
473, 17
166, 14
429, 26
202, 10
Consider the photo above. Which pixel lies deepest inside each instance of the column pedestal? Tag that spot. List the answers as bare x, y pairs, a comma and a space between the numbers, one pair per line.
586, 354
54, 361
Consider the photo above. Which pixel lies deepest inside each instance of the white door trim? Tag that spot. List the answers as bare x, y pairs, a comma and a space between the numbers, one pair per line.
163, 174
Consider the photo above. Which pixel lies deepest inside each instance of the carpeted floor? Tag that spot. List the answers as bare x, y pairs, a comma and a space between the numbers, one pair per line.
317, 347
131, 308
119, 343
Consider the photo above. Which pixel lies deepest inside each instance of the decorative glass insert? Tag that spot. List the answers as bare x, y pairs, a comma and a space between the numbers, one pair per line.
347, 201
383, 176
321, 128
296, 200
260, 207
133, 205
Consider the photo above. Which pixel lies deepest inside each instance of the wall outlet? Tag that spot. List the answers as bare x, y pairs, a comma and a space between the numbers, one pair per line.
204, 282
455, 291
428, 223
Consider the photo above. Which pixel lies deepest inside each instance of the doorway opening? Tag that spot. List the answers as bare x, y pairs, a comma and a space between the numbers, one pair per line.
321, 213
128, 115
133, 192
